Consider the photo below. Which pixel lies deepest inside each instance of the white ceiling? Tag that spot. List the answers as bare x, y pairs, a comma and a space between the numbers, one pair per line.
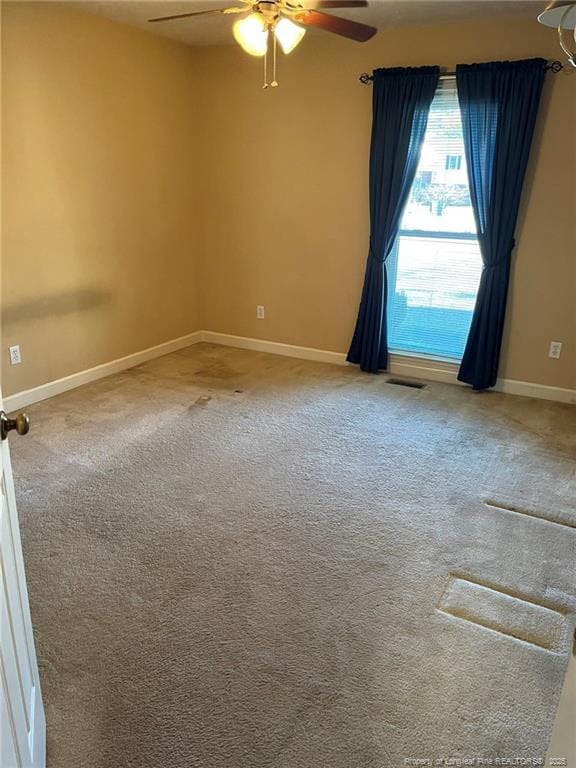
380, 13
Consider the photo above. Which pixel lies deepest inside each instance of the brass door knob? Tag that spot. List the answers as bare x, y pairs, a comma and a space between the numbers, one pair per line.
21, 424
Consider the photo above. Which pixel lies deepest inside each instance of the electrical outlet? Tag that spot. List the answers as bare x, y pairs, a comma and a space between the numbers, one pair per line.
15, 356
260, 312
555, 349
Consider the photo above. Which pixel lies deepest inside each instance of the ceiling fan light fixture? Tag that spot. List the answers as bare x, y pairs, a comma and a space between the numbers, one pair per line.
288, 34
561, 14
251, 34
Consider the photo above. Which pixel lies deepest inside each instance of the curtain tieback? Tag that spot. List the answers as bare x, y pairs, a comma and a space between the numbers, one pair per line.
372, 255
505, 259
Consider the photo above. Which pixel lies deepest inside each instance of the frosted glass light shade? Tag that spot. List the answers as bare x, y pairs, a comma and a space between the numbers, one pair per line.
251, 34
288, 34
557, 13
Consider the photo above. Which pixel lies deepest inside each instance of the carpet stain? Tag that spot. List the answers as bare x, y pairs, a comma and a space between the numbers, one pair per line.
201, 401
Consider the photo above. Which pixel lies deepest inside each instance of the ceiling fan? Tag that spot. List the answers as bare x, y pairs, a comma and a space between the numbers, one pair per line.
283, 22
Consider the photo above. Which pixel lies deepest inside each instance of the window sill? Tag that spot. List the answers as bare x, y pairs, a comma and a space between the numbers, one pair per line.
448, 363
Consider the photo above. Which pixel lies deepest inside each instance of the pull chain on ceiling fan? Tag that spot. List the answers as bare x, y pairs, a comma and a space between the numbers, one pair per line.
284, 22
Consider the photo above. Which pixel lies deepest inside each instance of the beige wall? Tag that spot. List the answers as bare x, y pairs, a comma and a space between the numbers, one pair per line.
287, 209
151, 190
99, 178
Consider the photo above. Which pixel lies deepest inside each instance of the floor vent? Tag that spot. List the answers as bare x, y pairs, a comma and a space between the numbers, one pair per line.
406, 383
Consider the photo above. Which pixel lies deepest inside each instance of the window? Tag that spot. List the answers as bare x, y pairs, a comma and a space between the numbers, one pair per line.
434, 268
453, 162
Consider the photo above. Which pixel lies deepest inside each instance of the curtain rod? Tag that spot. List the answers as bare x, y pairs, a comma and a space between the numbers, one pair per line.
551, 66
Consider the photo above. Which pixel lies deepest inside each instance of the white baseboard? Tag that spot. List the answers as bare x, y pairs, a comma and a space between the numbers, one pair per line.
540, 391
275, 348
400, 365
52, 388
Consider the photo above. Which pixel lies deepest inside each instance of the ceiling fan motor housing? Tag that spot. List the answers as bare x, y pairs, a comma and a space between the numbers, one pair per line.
269, 9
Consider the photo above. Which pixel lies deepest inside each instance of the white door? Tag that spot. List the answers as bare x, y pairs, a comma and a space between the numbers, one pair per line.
22, 723
562, 749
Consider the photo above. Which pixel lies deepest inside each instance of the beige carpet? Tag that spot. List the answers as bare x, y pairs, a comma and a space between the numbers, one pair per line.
238, 560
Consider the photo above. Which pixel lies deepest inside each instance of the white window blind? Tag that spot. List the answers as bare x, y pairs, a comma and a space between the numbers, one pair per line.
434, 268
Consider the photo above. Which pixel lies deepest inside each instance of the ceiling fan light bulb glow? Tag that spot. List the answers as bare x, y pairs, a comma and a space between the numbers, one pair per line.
251, 34
288, 34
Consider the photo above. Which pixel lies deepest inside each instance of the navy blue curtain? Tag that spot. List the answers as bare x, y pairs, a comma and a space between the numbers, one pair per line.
400, 104
499, 104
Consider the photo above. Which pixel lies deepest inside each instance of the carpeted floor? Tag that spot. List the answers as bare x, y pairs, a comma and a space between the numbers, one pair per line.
237, 560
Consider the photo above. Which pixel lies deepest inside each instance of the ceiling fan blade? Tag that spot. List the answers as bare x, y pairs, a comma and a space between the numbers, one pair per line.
339, 26
316, 4
199, 13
